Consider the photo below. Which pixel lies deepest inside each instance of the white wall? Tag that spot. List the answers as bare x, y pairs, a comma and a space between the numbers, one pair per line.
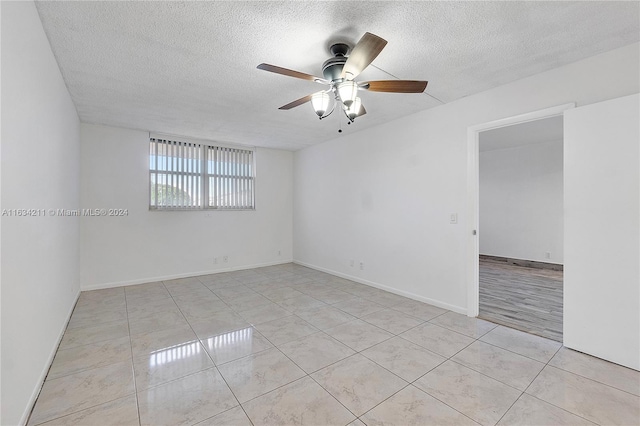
152, 245
384, 195
40, 170
521, 202
602, 233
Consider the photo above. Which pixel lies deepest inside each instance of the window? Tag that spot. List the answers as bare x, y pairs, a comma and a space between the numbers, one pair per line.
195, 176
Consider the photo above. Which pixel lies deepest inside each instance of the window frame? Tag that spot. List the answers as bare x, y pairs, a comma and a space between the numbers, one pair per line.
203, 177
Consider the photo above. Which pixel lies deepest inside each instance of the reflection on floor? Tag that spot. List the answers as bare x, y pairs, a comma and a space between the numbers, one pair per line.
287, 345
528, 299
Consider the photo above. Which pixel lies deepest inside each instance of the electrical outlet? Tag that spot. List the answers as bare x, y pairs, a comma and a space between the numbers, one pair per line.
225, 259
547, 255
215, 260
362, 266
351, 262
279, 253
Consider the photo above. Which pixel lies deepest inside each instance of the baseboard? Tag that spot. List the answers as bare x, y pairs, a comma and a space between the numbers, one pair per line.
523, 262
183, 275
393, 290
36, 392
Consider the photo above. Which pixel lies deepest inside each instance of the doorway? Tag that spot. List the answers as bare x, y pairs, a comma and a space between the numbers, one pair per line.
516, 278
521, 226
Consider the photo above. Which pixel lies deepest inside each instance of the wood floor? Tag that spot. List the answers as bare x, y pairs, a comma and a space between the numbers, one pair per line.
527, 299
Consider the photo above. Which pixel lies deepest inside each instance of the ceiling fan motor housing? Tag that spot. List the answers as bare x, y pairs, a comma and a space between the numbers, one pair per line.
332, 68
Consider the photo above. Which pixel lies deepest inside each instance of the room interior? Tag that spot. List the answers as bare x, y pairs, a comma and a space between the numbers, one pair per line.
520, 229
382, 211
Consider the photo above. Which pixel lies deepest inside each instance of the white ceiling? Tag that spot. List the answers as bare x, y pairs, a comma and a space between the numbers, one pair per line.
537, 131
190, 68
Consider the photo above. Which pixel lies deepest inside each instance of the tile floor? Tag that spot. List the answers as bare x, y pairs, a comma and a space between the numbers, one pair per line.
287, 345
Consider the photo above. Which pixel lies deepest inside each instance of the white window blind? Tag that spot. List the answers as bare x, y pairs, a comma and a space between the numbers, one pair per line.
195, 176
230, 178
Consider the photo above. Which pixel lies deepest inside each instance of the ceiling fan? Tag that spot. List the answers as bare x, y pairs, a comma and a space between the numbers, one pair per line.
339, 73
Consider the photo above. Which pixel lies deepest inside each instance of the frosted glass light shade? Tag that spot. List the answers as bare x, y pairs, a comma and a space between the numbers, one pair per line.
320, 102
353, 109
348, 90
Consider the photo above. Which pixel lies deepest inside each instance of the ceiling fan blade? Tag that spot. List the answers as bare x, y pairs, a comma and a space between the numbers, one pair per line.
367, 49
297, 102
291, 73
394, 86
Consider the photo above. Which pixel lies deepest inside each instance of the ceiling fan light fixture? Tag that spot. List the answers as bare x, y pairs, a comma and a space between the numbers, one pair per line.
348, 91
320, 102
353, 109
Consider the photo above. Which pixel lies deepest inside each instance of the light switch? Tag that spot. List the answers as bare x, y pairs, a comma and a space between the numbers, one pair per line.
453, 218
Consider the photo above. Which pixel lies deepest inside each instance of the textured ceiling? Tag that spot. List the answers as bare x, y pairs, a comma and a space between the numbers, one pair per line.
190, 68
537, 131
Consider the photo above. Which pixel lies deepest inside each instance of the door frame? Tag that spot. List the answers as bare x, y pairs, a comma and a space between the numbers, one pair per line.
473, 193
